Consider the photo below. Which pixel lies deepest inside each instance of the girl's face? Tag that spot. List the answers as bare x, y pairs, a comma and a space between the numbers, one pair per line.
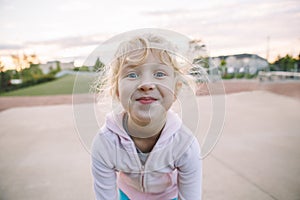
147, 91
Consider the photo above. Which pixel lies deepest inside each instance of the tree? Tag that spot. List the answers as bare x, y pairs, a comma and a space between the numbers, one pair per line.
98, 65
32, 73
197, 50
23, 61
286, 63
58, 67
4, 78
53, 71
223, 67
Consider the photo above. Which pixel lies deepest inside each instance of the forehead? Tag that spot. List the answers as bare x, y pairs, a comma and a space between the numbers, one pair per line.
152, 60
142, 56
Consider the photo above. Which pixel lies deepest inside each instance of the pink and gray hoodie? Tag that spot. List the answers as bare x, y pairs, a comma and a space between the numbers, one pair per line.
172, 169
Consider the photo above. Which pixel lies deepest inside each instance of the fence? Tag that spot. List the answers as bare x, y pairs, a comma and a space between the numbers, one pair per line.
278, 75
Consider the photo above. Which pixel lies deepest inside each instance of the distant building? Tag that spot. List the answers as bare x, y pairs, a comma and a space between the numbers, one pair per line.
242, 63
46, 68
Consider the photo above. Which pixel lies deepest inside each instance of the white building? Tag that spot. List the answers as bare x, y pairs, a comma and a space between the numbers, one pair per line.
242, 63
46, 68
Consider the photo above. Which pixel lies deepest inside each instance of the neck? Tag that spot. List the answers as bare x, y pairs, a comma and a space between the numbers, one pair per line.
148, 130
145, 144
145, 137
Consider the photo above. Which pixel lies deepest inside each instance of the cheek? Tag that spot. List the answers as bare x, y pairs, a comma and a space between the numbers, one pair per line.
124, 92
169, 94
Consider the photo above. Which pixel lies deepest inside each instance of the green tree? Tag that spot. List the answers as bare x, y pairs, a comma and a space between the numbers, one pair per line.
32, 73
58, 67
4, 78
98, 65
15, 74
223, 67
286, 63
53, 71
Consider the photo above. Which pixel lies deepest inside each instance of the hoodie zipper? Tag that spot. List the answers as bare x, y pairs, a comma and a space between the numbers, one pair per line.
142, 167
142, 178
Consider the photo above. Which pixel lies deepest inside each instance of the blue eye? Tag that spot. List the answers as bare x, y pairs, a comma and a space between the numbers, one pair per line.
132, 75
159, 74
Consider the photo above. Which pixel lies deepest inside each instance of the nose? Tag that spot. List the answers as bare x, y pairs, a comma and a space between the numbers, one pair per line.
147, 86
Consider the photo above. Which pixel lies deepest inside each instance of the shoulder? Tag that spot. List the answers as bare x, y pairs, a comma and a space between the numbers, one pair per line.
180, 146
186, 140
103, 143
176, 137
184, 136
191, 155
109, 134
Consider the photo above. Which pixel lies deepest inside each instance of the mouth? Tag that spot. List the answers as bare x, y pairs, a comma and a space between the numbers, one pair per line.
146, 100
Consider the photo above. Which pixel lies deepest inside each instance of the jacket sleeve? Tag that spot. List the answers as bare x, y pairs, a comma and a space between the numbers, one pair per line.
189, 168
103, 171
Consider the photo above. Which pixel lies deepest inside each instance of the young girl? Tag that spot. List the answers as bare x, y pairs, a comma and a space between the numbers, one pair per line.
145, 152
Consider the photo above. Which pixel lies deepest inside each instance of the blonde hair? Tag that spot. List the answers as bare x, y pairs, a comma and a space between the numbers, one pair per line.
135, 52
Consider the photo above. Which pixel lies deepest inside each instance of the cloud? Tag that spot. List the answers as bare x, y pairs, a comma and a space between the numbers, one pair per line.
10, 46
71, 6
171, 13
239, 26
68, 42
65, 49
62, 43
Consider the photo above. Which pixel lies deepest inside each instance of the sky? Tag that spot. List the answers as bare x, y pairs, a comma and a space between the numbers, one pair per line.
70, 30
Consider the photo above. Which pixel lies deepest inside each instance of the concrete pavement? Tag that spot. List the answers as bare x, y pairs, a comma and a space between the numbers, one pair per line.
257, 156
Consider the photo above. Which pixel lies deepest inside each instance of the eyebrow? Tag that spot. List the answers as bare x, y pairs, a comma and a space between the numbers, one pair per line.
127, 67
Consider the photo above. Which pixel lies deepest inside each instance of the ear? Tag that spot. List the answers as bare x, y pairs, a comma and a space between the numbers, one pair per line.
116, 91
117, 94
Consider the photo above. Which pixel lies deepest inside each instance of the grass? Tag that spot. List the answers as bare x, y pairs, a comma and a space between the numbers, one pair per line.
63, 85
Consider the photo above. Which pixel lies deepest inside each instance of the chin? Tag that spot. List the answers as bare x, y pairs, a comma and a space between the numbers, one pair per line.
142, 118
145, 117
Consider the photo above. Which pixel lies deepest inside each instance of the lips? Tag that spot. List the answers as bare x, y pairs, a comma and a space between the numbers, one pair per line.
146, 100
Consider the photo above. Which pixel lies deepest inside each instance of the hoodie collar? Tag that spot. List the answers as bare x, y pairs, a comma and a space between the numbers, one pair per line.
114, 122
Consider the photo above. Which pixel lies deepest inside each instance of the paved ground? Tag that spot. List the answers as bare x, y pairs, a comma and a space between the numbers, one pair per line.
257, 156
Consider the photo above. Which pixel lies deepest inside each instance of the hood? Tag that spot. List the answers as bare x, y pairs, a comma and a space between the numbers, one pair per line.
114, 122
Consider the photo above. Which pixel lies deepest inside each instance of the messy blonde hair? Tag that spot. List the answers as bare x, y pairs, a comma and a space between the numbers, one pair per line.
135, 51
